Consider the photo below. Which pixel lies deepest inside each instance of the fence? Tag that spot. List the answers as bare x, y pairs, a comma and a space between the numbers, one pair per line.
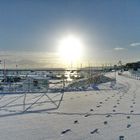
30, 94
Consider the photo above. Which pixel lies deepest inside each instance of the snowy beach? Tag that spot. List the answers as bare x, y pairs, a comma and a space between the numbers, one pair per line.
107, 114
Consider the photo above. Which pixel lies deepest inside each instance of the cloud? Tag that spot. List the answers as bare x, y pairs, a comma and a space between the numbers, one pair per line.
118, 49
135, 44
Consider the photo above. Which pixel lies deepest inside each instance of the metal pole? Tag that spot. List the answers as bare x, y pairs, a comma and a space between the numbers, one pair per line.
115, 74
4, 71
24, 101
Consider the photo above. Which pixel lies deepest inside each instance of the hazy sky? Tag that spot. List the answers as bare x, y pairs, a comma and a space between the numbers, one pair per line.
30, 30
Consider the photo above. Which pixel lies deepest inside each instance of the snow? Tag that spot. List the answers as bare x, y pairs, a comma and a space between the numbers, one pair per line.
104, 114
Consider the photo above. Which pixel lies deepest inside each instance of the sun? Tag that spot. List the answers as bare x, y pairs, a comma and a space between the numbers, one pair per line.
70, 48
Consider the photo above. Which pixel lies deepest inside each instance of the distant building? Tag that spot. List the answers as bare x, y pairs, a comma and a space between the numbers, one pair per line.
133, 66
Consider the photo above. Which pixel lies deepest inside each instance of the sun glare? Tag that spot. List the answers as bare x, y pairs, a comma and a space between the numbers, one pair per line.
70, 48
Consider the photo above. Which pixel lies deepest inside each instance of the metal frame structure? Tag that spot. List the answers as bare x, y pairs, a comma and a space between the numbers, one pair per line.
28, 101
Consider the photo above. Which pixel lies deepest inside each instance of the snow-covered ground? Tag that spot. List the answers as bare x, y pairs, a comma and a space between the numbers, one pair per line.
106, 114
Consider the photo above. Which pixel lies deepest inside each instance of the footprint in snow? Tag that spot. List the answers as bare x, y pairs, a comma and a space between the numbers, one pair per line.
105, 122
76, 122
87, 115
66, 131
91, 109
108, 115
129, 125
94, 131
128, 117
121, 137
